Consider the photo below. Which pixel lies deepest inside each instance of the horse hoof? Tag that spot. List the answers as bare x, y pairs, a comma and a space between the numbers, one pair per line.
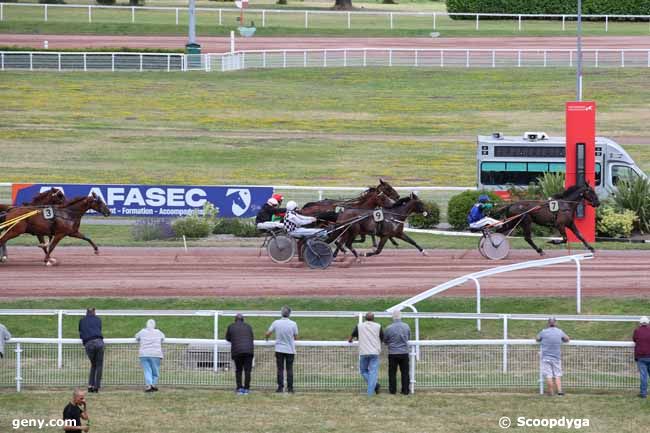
3, 259
96, 252
357, 260
48, 263
541, 253
424, 253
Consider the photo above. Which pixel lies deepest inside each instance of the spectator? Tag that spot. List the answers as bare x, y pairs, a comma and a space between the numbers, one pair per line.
75, 411
370, 336
397, 338
240, 336
4, 336
286, 332
551, 340
151, 354
641, 340
90, 332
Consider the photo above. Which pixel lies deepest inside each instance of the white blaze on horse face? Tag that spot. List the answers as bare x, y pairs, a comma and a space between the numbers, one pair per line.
47, 188
241, 200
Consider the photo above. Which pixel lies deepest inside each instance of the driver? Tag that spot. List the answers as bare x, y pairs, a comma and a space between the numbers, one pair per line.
293, 222
476, 217
265, 218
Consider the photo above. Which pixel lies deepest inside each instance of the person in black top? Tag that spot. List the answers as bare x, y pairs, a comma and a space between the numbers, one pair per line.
240, 336
90, 332
264, 218
76, 411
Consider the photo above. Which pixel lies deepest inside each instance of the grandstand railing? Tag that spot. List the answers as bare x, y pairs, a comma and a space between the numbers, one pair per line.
441, 58
296, 18
326, 365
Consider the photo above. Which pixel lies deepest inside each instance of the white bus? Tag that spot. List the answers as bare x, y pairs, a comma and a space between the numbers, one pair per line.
503, 161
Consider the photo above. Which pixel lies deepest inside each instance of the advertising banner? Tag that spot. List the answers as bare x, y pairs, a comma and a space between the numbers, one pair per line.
157, 201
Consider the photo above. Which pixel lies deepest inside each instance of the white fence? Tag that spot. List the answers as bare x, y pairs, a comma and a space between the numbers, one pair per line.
326, 365
447, 58
290, 18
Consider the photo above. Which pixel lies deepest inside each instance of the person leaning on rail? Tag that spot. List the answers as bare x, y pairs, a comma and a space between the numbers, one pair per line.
242, 349
90, 332
396, 338
286, 333
641, 340
150, 354
551, 340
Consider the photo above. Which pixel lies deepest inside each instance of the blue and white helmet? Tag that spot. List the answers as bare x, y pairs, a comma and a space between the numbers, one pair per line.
483, 198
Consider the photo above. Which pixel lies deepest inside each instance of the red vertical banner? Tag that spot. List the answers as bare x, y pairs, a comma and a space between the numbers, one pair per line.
580, 159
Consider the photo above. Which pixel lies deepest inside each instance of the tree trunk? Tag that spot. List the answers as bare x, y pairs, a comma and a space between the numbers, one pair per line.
343, 5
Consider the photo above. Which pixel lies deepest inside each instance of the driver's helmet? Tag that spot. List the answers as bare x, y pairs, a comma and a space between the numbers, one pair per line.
272, 202
278, 197
291, 205
483, 198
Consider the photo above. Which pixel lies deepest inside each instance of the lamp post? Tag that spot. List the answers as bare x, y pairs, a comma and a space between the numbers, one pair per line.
579, 55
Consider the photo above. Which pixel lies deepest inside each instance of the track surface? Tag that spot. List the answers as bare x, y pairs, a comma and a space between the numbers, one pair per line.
222, 44
160, 272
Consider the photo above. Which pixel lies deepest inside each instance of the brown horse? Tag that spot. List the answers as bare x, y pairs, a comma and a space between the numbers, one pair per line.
330, 205
52, 196
64, 221
539, 212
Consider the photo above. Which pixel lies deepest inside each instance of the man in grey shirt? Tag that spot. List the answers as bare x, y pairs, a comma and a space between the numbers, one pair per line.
551, 340
286, 332
4, 337
396, 337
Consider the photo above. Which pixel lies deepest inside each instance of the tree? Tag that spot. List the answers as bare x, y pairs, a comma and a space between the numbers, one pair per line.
343, 4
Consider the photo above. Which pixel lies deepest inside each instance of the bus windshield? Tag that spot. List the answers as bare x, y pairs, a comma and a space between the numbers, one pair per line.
522, 173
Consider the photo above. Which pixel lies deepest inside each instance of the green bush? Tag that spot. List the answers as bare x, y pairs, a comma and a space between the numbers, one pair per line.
460, 205
551, 184
426, 222
52, 2
235, 226
634, 195
566, 7
613, 223
105, 2
198, 224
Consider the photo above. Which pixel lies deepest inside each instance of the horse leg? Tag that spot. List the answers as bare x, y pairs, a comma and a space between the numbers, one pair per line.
408, 239
80, 235
394, 242
49, 260
564, 240
525, 226
380, 247
575, 230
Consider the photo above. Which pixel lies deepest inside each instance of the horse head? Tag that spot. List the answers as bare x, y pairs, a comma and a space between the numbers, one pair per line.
98, 205
387, 189
590, 195
51, 196
415, 205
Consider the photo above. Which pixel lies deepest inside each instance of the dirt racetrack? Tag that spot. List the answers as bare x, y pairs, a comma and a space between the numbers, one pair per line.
162, 272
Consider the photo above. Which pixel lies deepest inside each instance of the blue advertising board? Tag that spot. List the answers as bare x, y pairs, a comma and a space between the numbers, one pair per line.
160, 200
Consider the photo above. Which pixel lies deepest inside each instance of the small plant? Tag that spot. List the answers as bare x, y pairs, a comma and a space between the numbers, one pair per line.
431, 220
198, 224
613, 223
235, 226
634, 195
152, 229
551, 183
460, 205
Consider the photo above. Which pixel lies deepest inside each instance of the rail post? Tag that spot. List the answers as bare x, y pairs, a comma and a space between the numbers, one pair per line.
478, 302
345, 57
563, 23
412, 355
325, 66
45, 13
442, 59
415, 58
59, 336
215, 336
519, 22
140, 62
31, 61
606, 23
544, 58
366, 64
2, 11
90, 14
304, 59
391, 21
169, 62
541, 377
19, 379
622, 58
264, 18
85, 63
494, 59
349, 16
113, 62
477, 22
220, 17
519, 58
284, 59
390, 57
578, 287
467, 58
132, 14
505, 343
306, 19
417, 333
176, 16
596, 60
2, 59
434, 21
59, 61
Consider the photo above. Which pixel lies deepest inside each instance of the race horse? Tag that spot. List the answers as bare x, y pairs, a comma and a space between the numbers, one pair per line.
52, 196
558, 212
57, 221
392, 225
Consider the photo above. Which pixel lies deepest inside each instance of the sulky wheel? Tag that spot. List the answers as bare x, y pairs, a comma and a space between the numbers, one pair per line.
281, 248
317, 254
494, 246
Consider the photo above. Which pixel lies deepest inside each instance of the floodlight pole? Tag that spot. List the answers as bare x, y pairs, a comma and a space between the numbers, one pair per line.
192, 23
579, 55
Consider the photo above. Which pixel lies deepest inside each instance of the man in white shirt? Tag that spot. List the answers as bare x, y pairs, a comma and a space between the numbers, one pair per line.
293, 222
286, 333
370, 336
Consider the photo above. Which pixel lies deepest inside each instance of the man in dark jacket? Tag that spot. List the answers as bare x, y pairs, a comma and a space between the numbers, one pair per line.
240, 336
641, 340
90, 332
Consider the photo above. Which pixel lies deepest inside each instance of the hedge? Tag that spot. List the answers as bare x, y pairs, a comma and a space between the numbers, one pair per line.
560, 7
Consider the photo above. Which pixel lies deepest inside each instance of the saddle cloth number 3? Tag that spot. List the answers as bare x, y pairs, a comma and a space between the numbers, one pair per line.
48, 213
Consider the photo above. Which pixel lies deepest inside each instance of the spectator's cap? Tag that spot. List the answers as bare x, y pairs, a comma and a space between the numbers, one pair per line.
644, 320
397, 315
483, 198
292, 205
272, 202
285, 311
278, 197
239, 317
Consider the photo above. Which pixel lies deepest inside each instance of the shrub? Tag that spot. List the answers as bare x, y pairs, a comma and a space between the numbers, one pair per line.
426, 222
460, 204
235, 226
614, 223
634, 195
105, 2
198, 224
551, 184
52, 2
151, 229
595, 7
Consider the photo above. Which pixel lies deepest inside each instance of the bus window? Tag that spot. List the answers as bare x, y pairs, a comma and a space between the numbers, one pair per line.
557, 167
622, 172
522, 173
